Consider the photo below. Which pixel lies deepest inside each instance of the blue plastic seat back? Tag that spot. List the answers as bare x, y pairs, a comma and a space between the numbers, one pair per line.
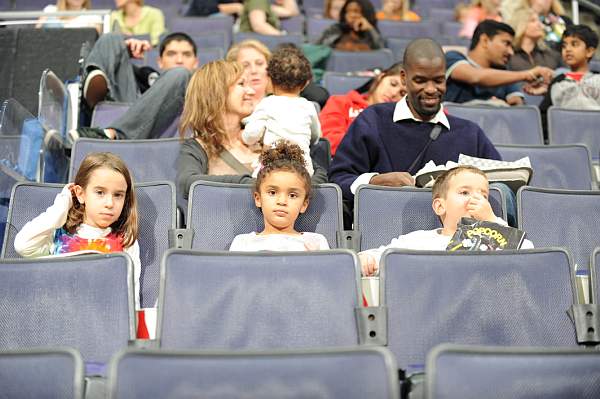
83, 302
503, 125
508, 298
352, 61
563, 218
411, 30
594, 293
147, 160
383, 213
568, 126
315, 26
106, 112
561, 166
217, 212
493, 372
268, 40
39, 373
222, 300
342, 83
200, 25
349, 373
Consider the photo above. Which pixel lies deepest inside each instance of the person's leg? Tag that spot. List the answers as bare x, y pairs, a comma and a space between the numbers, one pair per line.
110, 56
156, 109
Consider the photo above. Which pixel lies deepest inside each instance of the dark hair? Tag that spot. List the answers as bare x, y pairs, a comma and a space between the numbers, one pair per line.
370, 85
176, 37
284, 156
583, 32
367, 9
289, 69
490, 28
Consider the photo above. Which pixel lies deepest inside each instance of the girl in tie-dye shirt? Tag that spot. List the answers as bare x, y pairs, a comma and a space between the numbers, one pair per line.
96, 213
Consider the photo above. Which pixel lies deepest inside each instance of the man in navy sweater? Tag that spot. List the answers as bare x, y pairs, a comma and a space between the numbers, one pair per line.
387, 143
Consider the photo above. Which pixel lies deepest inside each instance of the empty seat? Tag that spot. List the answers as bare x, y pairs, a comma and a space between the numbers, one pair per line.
41, 373
293, 24
200, 25
555, 166
503, 125
261, 300
217, 212
568, 126
342, 83
270, 41
508, 298
315, 26
398, 45
344, 373
351, 61
517, 373
411, 30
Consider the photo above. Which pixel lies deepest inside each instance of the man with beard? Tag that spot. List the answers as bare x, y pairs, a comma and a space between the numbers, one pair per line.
481, 75
387, 143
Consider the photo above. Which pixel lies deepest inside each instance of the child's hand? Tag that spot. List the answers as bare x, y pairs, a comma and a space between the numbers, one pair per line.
479, 208
368, 265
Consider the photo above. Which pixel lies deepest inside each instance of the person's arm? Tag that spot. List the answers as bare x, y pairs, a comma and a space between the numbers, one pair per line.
315, 126
134, 252
375, 39
231, 8
137, 48
36, 238
255, 125
330, 36
464, 72
285, 8
259, 24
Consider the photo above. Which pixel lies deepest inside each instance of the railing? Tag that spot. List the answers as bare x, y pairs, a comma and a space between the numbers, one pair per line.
31, 17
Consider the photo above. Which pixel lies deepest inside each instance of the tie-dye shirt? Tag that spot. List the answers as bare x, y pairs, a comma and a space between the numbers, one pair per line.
65, 243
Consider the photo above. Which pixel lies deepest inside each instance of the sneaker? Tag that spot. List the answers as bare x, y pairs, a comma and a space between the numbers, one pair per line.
95, 87
87, 132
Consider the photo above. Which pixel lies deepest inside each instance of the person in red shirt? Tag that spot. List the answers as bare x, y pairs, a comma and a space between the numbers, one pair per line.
340, 110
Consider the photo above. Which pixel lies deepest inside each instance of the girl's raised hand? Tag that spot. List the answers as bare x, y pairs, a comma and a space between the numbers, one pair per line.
479, 208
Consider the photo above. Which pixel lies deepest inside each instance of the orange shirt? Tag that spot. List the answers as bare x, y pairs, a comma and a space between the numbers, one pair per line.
410, 16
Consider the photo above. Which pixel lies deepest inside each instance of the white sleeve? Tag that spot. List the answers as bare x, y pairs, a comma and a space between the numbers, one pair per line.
315, 127
324, 244
134, 252
365, 178
36, 238
238, 243
255, 125
398, 242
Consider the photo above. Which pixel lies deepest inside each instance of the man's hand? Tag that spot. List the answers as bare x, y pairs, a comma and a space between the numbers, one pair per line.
393, 179
137, 47
541, 74
479, 208
535, 90
368, 266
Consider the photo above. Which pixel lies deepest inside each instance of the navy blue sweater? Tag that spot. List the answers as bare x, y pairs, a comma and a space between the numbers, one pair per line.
375, 143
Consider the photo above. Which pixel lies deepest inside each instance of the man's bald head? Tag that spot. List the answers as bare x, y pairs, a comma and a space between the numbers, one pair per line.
425, 48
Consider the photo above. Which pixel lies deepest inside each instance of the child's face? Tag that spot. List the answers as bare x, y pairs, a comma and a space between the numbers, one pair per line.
104, 197
574, 52
461, 188
282, 198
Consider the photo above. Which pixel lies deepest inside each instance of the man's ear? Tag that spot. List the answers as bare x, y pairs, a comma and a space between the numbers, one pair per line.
403, 77
257, 199
79, 193
483, 41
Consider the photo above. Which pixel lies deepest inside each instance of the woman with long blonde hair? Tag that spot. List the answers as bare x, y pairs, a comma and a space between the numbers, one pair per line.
81, 21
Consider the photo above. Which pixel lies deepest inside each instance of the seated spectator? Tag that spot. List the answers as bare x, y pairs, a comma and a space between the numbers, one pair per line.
109, 74
388, 143
81, 21
479, 11
480, 75
356, 29
332, 8
579, 88
218, 97
282, 192
132, 17
285, 115
341, 110
259, 16
459, 192
204, 8
397, 10
529, 46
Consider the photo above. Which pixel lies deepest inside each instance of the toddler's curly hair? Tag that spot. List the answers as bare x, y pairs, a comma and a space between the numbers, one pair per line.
289, 69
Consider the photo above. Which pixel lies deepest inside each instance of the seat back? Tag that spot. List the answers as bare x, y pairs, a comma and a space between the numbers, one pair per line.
315, 26
147, 160
293, 24
321, 152
240, 300
351, 61
106, 112
41, 373
342, 83
567, 126
382, 213
398, 45
83, 302
562, 218
218, 212
269, 40
411, 30
556, 166
503, 125
510, 298
200, 25
595, 264
456, 372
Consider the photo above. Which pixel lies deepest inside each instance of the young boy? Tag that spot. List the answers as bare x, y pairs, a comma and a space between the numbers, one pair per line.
579, 88
458, 192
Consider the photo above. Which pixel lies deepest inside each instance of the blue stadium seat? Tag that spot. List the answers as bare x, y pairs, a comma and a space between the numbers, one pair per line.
342, 83
503, 125
41, 373
383, 213
555, 166
83, 302
352, 61
261, 300
315, 26
217, 212
470, 372
398, 45
106, 112
345, 373
199, 25
411, 30
293, 24
270, 41
568, 126
564, 218
508, 298
595, 263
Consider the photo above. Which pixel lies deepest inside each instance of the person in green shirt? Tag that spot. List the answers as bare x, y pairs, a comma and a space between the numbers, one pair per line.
132, 17
259, 16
